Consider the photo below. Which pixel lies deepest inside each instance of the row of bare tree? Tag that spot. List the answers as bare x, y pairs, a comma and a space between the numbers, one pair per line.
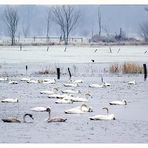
66, 17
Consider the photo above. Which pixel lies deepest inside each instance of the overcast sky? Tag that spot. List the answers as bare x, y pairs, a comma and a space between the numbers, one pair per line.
114, 17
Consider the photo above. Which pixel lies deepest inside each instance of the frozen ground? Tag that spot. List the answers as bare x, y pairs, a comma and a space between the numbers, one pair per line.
131, 124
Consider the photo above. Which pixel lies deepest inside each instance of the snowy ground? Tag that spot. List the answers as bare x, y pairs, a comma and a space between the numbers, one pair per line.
131, 124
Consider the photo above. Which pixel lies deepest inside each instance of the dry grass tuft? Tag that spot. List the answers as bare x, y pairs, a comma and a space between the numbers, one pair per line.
47, 71
126, 68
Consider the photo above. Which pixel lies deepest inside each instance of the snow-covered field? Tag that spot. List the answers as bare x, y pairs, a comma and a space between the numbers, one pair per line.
131, 124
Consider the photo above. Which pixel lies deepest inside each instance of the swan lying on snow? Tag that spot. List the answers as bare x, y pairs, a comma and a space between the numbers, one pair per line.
79, 110
103, 117
15, 120
3, 79
54, 119
69, 91
77, 81
25, 79
49, 81
13, 82
40, 109
10, 100
64, 101
96, 85
33, 81
58, 96
79, 99
106, 84
122, 102
71, 84
48, 92
132, 82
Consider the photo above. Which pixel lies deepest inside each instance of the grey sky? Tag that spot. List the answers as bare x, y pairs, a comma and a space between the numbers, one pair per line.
113, 17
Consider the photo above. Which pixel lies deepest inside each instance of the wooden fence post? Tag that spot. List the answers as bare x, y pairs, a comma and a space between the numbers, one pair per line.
69, 72
145, 71
26, 69
58, 73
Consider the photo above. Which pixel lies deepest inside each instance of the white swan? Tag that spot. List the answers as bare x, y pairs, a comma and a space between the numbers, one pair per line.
48, 92
79, 99
122, 102
49, 81
15, 120
96, 85
103, 117
79, 110
77, 81
33, 81
10, 100
54, 119
69, 91
132, 82
58, 96
3, 79
25, 79
64, 101
39, 109
71, 84
13, 82
106, 84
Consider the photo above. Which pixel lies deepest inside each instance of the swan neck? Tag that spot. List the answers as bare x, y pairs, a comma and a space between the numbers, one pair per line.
49, 116
24, 118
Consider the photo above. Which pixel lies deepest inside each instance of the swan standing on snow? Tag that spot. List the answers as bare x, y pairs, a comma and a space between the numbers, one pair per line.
79, 110
123, 102
15, 120
103, 117
40, 109
48, 92
9, 100
54, 119
132, 82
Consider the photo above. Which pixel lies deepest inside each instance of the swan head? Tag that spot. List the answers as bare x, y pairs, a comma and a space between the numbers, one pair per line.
48, 110
56, 89
125, 102
90, 109
105, 108
30, 115
88, 95
84, 105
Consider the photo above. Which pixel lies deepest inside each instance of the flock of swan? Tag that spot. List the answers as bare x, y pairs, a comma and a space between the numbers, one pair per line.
67, 96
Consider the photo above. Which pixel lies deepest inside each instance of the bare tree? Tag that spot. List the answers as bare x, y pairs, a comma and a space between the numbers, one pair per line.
26, 29
11, 19
144, 29
67, 18
99, 22
48, 23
